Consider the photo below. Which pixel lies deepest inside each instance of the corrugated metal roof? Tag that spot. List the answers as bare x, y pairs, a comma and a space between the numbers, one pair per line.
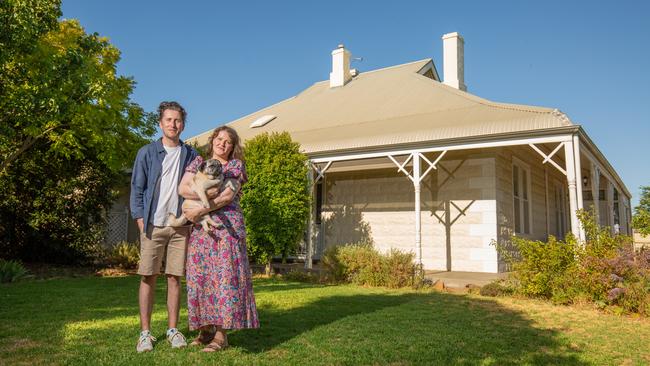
395, 105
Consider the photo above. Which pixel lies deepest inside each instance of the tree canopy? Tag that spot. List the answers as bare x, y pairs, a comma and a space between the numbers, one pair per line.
641, 218
276, 200
59, 85
68, 130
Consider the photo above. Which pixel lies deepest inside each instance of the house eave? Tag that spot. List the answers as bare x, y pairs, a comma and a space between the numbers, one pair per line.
598, 155
469, 142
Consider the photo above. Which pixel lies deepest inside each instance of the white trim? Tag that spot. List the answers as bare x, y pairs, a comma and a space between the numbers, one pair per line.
432, 165
430, 66
310, 223
548, 158
418, 208
576, 152
400, 167
575, 189
321, 172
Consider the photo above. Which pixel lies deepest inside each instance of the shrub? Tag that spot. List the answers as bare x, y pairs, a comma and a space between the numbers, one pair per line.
636, 297
542, 264
362, 264
300, 276
11, 271
125, 255
400, 269
605, 270
330, 261
496, 288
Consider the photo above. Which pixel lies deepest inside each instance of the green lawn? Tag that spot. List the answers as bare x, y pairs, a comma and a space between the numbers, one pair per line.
94, 321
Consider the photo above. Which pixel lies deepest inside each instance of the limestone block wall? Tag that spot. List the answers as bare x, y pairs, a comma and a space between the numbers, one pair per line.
459, 217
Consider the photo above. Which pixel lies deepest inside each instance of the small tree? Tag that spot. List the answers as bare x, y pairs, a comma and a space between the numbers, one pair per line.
641, 219
276, 198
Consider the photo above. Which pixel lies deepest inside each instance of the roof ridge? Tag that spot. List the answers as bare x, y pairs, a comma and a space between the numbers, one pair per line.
499, 105
396, 66
384, 68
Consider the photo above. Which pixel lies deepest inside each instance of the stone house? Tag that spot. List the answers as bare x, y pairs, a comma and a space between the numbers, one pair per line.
407, 160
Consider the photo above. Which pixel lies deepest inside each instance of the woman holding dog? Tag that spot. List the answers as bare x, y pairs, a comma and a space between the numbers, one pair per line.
219, 286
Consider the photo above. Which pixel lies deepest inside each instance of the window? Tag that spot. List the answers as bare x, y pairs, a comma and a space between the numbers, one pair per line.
521, 197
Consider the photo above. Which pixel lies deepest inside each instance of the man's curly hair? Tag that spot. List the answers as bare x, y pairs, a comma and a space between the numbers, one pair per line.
174, 106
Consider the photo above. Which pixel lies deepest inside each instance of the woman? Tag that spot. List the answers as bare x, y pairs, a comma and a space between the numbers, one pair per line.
219, 287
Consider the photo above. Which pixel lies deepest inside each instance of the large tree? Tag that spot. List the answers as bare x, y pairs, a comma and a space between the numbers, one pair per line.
68, 127
276, 198
60, 85
641, 219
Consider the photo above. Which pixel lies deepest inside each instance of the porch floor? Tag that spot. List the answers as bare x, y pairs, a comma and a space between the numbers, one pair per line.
462, 279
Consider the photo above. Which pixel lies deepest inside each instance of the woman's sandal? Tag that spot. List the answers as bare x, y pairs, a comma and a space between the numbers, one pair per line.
203, 338
215, 346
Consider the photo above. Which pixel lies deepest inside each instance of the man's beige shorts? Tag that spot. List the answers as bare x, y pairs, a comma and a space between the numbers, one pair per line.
152, 250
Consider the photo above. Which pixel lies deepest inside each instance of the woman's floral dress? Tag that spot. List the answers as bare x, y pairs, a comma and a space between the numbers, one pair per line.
219, 286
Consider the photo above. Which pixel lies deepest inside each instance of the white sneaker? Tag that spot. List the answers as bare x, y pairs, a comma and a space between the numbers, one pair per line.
145, 342
176, 338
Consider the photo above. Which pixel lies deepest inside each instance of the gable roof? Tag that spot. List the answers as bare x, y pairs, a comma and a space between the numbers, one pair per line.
391, 106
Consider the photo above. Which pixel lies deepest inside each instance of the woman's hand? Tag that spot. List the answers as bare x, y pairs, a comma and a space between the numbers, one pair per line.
194, 214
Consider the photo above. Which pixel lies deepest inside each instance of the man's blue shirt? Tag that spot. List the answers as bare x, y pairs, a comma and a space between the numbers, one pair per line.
145, 179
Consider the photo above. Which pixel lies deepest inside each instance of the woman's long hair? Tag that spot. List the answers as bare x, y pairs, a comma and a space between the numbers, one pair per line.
237, 150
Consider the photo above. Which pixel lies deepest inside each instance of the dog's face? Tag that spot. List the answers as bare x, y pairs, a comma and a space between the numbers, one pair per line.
211, 167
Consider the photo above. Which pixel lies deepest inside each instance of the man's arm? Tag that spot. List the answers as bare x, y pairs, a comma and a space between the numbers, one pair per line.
138, 185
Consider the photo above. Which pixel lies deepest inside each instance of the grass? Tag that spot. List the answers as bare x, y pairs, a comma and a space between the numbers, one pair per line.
93, 320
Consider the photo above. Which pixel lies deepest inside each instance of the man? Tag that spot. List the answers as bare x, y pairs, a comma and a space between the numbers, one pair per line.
157, 172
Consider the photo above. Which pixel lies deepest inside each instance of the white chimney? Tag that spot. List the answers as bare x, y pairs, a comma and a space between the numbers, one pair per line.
454, 60
340, 74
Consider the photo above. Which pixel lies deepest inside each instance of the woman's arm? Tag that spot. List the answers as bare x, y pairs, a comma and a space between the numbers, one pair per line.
224, 198
185, 187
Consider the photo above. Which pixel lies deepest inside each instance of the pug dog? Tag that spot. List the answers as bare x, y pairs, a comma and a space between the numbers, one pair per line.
209, 175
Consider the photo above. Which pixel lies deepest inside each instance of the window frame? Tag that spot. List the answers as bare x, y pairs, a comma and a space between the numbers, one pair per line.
524, 169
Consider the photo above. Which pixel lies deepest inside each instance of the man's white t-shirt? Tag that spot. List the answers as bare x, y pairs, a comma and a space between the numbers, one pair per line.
168, 198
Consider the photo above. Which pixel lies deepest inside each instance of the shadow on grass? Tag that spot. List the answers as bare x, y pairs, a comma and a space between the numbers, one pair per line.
419, 328
96, 320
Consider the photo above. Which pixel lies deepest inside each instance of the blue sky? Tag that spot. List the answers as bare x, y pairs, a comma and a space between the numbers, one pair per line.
223, 60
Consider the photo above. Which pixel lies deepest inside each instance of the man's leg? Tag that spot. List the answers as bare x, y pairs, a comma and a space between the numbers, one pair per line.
173, 299
146, 297
175, 269
151, 252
